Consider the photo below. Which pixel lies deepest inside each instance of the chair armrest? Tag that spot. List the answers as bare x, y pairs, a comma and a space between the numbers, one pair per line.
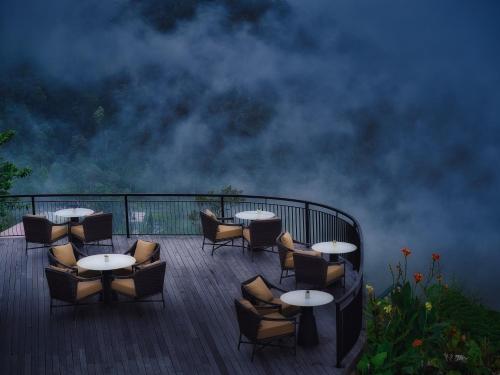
272, 306
292, 319
336, 263
225, 218
122, 277
266, 302
60, 224
233, 225
79, 278
277, 288
79, 253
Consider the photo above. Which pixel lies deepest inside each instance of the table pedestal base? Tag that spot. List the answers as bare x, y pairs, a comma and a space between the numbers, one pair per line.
107, 277
308, 333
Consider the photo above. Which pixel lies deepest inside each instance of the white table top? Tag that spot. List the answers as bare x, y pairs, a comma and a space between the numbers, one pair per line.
74, 212
255, 215
299, 298
98, 262
334, 247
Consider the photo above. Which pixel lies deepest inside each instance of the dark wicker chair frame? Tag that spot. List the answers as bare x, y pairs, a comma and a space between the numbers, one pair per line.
263, 234
155, 255
96, 228
38, 229
63, 287
312, 270
249, 322
148, 282
283, 251
53, 261
209, 227
258, 303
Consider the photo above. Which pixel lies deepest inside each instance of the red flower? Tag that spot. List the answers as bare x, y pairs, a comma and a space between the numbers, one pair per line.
436, 257
406, 251
417, 342
418, 277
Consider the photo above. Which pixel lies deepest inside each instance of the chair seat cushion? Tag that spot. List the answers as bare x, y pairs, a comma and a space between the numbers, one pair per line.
259, 289
228, 231
143, 250
58, 231
334, 272
124, 286
77, 231
87, 288
289, 256
65, 254
268, 329
286, 309
287, 240
246, 234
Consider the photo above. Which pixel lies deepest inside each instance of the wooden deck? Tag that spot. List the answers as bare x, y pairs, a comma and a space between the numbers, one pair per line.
195, 334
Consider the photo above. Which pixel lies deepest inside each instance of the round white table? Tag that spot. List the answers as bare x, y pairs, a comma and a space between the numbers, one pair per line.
255, 215
74, 213
106, 263
307, 299
334, 248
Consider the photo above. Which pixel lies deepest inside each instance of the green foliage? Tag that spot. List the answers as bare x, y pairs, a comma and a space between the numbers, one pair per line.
424, 327
9, 171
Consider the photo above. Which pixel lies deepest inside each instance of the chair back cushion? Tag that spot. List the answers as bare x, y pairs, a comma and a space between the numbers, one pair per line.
263, 233
259, 289
210, 213
287, 240
64, 254
209, 226
98, 227
149, 280
144, 250
37, 229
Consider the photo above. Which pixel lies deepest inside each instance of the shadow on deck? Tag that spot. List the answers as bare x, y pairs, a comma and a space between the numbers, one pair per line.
196, 333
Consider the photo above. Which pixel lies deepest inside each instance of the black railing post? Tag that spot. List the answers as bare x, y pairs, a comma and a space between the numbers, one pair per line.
222, 205
126, 217
308, 232
33, 211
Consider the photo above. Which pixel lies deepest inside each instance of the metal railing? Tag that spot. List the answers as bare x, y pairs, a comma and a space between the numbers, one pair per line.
178, 214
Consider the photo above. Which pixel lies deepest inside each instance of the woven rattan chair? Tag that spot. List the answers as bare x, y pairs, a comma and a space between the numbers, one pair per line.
66, 256
316, 271
143, 283
261, 234
144, 252
263, 330
287, 246
218, 232
40, 230
259, 292
67, 287
93, 229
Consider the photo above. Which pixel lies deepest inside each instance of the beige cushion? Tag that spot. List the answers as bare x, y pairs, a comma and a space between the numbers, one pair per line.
228, 231
64, 254
87, 288
269, 329
210, 213
246, 234
286, 309
259, 289
334, 272
77, 231
143, 250
125, 286
289, 256
248, 305
287, 240
58, 231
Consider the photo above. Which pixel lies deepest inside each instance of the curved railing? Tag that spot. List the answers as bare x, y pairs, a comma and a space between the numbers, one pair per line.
177, 214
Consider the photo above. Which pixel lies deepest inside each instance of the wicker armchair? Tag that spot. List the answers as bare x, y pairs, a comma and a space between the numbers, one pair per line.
66, 256
144, 252
287, 246
262, 331
67, 287
316, 271
261, 234
218, 232
143, 283
39, 230
258, 291
93, 229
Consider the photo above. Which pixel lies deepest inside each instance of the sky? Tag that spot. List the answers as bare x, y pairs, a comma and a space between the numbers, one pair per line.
387, 110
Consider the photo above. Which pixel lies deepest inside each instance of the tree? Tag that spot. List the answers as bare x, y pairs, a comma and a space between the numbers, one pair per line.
8, 170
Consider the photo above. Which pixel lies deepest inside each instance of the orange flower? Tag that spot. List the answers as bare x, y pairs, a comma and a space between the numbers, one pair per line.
406, 251
418, 277
417, 342
436, 257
